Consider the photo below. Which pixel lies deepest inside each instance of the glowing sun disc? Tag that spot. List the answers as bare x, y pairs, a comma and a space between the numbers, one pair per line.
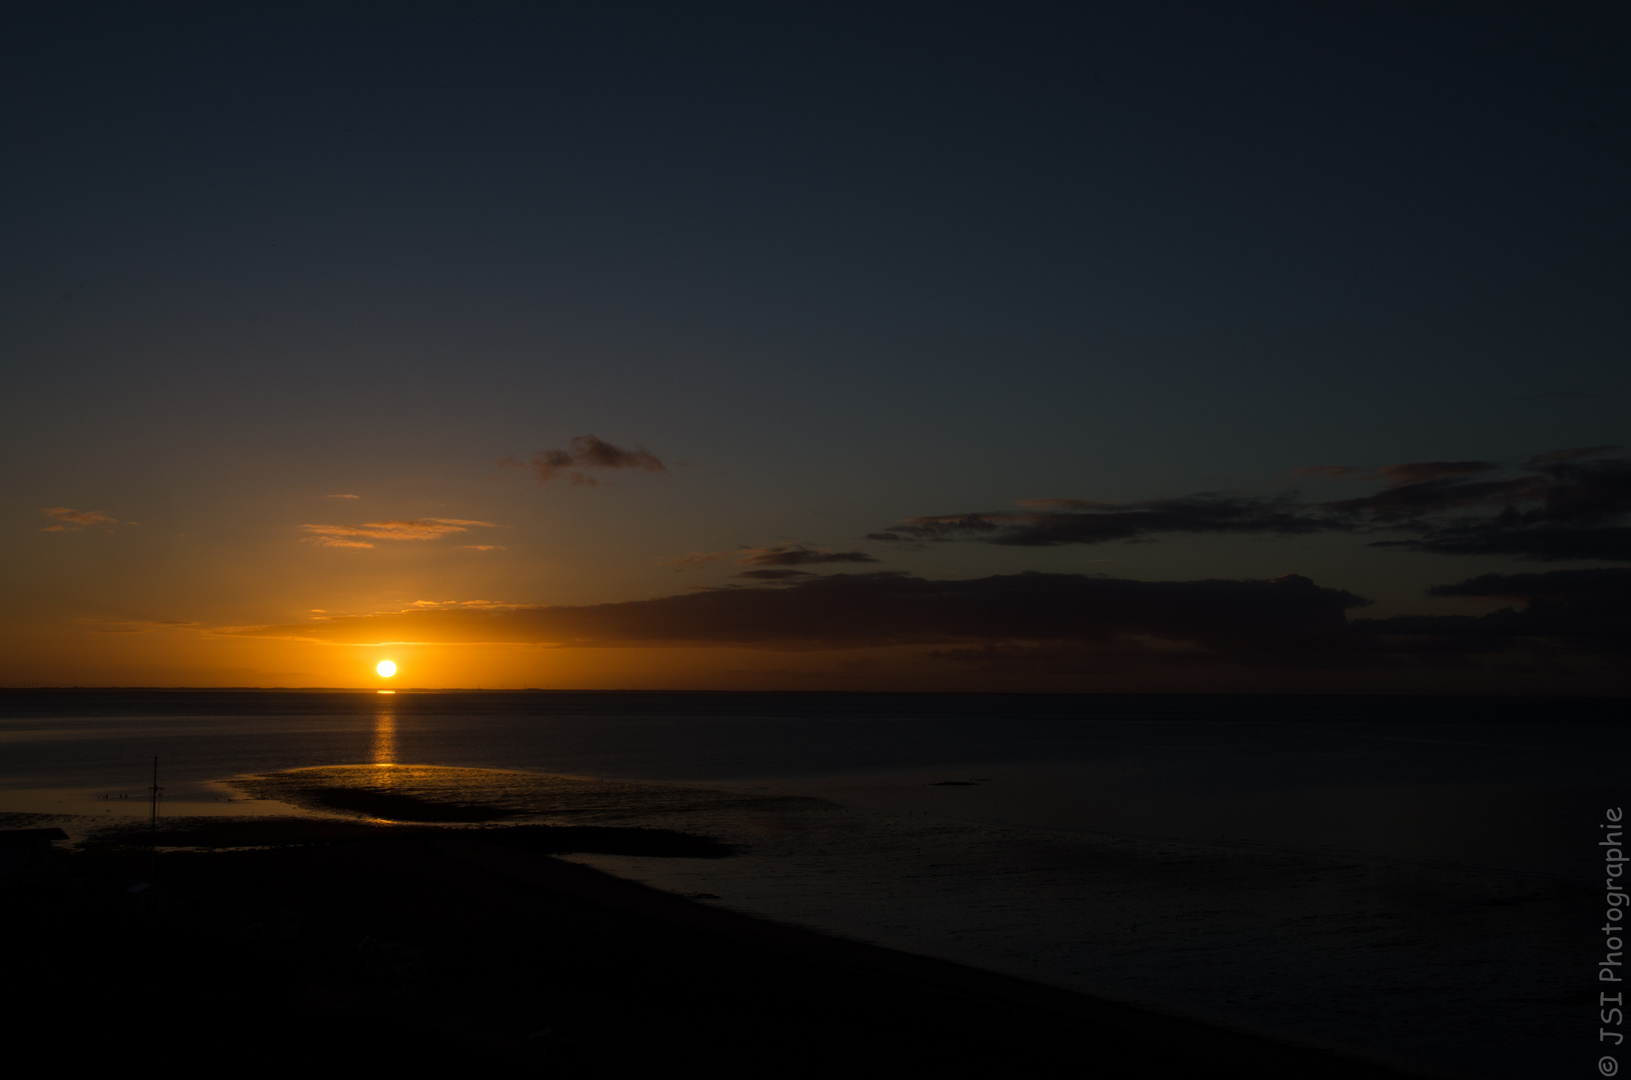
386, 669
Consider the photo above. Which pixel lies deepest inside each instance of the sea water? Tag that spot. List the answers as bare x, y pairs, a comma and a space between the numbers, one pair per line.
1412, 879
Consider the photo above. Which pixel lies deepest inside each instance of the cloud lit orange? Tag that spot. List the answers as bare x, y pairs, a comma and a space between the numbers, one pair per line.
71, 520
359, 536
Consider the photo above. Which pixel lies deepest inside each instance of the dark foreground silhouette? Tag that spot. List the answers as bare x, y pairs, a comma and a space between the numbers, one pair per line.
379, 947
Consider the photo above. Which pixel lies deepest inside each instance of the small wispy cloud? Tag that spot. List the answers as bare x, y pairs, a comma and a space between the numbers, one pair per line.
364, 535
588, 452
71, 520
462, 605
773, 555
799, 555
336, 542
343, 496
484, 547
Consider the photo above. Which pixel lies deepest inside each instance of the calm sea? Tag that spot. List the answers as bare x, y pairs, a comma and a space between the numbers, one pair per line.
1409, 878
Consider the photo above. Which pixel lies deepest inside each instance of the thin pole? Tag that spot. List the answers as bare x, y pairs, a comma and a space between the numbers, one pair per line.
153, 846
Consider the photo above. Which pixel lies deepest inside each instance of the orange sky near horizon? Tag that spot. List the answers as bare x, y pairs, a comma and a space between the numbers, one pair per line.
194, 658
586, 595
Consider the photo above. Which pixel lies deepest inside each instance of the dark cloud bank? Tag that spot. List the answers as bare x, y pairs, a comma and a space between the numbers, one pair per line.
1565, 621
1563, 505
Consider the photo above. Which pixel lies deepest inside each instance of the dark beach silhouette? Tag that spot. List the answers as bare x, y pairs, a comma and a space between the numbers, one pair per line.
349, 943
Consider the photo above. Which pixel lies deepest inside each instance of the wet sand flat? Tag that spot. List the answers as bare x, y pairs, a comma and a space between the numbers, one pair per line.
1190, 938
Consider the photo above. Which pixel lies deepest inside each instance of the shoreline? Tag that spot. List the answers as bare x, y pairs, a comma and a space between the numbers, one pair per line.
1138, 1031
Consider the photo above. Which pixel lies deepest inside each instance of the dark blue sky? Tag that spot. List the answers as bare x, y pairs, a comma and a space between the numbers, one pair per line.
852, 263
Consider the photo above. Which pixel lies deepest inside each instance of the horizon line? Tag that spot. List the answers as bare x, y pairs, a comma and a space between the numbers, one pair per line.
944, 693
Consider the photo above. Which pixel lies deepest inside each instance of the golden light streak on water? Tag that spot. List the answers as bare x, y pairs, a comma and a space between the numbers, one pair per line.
385, 735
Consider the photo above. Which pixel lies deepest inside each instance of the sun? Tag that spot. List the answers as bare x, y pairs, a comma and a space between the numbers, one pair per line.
386, 669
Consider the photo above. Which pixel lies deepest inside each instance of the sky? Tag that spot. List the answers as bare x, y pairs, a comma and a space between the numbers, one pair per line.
1143, 347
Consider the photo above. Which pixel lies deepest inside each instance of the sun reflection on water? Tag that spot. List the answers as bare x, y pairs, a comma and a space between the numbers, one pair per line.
385, 735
